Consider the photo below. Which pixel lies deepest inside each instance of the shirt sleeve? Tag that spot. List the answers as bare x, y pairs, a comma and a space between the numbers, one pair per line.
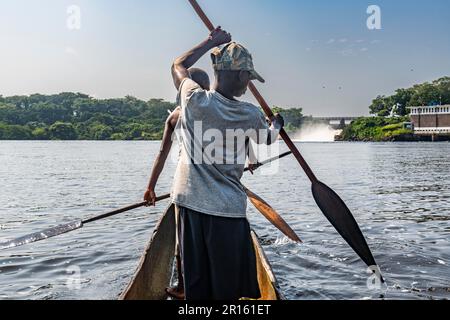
261, 122
189, 92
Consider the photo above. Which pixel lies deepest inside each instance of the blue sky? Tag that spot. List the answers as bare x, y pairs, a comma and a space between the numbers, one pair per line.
318, 55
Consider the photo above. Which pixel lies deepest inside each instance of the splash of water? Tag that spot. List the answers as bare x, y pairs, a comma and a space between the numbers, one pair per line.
316, 133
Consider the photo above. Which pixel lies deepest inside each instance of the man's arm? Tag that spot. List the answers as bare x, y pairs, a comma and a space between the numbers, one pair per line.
274, 130
182, 64
158, 166
266, 134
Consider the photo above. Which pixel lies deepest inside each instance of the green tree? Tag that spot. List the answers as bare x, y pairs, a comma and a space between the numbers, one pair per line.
443, 85
293, 117
62, 131
14, 132
380, 106
425, 94
374, 128
99, 131
402, 98
118, 136
40, 133
437, 92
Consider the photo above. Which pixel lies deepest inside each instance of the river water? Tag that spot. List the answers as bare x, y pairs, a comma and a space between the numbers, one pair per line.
399, 193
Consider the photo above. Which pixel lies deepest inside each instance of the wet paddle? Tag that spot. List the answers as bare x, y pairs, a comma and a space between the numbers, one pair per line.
332, 206
72, 226
266, 210
271, 215
68, 227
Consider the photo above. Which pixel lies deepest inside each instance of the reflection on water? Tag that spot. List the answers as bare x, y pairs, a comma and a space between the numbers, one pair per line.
399, 193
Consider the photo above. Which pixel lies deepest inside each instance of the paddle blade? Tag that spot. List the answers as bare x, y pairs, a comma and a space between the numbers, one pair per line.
38, 236
273, 216
342, 219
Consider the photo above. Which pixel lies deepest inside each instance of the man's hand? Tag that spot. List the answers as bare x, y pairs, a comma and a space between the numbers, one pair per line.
183, 63
277, 121
219, 37
150, 197
277, 124
251, 167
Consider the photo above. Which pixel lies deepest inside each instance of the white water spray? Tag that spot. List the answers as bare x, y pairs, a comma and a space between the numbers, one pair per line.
316, 133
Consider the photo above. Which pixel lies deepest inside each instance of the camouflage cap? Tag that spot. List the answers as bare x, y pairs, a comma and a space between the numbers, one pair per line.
234, 56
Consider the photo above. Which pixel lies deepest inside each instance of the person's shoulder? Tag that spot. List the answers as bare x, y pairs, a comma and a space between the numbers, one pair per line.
172, 119
253, 109
189, 85
191, 93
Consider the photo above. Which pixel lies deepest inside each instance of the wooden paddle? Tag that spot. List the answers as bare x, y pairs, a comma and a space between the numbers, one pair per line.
271, 215
68, 227
268, 212
328, 201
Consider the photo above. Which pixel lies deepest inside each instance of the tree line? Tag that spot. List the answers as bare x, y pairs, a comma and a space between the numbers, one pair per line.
425, 94
383, 126
77, 116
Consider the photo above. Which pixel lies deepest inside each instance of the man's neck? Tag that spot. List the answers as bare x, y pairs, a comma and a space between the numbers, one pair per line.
223, 91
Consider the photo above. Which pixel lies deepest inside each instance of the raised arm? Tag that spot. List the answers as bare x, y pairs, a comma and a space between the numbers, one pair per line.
182, 64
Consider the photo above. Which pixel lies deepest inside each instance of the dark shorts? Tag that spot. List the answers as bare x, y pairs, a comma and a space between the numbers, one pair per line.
218, 257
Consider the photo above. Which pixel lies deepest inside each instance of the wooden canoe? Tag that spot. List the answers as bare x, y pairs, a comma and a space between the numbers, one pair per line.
155, 268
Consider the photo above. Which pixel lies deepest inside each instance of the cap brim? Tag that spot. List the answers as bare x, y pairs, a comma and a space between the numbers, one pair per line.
256, 76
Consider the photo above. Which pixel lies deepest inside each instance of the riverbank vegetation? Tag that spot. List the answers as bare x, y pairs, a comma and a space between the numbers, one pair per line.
76, 116
425, 94
391, 112
376, 129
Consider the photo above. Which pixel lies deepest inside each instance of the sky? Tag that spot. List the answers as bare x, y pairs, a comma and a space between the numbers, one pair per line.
318, 55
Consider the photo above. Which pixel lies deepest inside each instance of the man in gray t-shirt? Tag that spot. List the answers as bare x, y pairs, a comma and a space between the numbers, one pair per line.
215, 132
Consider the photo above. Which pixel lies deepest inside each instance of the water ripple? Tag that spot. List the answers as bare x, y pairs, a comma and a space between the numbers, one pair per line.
399, 193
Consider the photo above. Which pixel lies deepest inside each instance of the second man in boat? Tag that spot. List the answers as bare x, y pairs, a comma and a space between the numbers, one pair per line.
215, 132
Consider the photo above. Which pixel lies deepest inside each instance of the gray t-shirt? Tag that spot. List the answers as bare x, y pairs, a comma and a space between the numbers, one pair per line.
214, 135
